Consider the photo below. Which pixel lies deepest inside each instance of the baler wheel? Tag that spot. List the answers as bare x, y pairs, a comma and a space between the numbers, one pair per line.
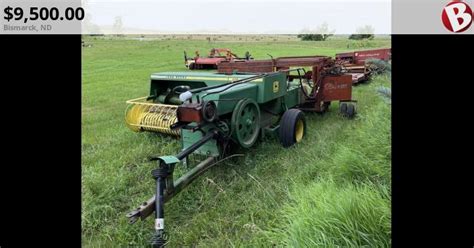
347, 110
350, 113
343, 108
292, 127
245, 122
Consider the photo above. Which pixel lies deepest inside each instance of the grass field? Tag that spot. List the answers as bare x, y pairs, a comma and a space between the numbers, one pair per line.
330, 190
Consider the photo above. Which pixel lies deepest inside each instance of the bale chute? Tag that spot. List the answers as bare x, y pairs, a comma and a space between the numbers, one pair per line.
142, 115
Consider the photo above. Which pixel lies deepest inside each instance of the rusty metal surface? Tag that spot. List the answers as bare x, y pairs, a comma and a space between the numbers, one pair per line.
190, 112
301, 61
336, 88
354, 63
359, 57
327, 86
353, 68
345, 56
358, 77
269, 65
382, 54
209, 61
249, 66
216, 56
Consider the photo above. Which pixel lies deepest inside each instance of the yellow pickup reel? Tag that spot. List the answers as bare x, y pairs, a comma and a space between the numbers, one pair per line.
143, 115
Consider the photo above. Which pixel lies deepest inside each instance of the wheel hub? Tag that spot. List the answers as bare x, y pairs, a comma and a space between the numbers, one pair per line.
246, 122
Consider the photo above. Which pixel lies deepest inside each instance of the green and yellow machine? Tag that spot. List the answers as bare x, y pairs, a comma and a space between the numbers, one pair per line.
211, 111
222, 93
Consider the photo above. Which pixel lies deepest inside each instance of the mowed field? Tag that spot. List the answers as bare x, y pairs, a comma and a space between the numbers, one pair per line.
330, 190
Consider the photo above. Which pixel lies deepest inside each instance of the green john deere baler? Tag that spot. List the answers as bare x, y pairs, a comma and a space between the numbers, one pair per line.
210, 112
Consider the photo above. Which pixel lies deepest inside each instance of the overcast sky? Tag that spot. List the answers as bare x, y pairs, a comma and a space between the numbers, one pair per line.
243, 16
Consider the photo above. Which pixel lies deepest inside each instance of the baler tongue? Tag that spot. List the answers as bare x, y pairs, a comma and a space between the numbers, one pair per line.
146, 116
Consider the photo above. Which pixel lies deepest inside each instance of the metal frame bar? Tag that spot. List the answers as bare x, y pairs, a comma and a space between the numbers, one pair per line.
148, 207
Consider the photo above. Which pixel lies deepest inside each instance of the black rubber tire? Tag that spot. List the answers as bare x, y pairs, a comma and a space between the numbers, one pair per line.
192, 66
343, 108
350, 112
287, 130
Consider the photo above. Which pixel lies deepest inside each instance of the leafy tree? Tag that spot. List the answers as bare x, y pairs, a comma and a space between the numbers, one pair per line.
364, 32
314, 37
321, 33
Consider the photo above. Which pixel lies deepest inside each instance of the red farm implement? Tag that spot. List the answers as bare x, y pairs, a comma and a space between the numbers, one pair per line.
216, 55
323, 87
358, 63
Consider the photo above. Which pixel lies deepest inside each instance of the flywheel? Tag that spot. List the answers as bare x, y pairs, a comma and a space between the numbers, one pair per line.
245, 122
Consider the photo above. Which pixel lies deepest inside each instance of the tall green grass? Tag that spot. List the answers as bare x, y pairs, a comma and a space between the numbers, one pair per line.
328, 214
348, 204
366, 154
